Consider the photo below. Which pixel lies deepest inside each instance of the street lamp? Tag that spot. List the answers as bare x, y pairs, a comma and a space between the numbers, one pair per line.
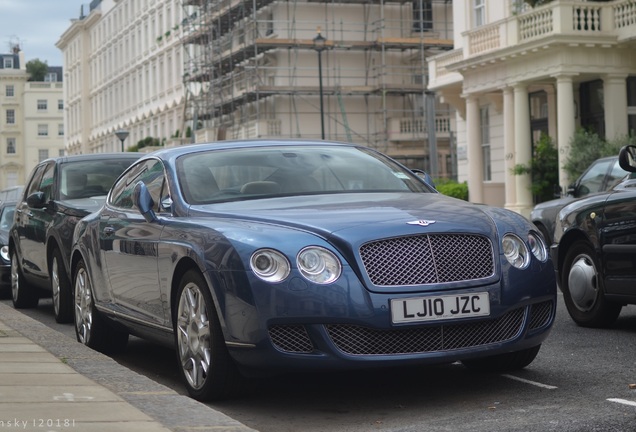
122, 135
319, 46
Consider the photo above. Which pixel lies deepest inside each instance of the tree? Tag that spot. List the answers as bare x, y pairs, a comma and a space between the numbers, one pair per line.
586, 147
37, 69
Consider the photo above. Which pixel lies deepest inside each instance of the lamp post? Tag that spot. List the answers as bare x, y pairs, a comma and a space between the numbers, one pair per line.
319, 46
122, 135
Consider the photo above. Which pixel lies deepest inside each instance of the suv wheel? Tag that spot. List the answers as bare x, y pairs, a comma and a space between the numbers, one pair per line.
61, 289
23, 295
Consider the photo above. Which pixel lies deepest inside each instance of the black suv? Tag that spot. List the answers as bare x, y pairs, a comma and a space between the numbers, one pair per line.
600, 176
59, 192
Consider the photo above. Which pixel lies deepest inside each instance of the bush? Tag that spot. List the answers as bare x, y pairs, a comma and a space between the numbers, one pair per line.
452, 188
543, 169
585, 148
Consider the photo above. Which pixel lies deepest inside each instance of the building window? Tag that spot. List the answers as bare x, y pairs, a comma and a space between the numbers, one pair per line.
50, 77
60, 104
631, 106
8, 62
11, 146
479, 12
42, 105
422, 15
60, 129
61, 152
43, 154
10, 116
43, 130
484, 129
9, 90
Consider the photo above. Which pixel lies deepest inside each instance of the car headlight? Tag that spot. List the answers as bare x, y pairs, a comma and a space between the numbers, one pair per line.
4, 253
318, 265
270, 265
515, 251
538, 247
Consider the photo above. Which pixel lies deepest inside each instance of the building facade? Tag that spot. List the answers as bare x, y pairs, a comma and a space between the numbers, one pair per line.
186, 71
32, 122
516, 72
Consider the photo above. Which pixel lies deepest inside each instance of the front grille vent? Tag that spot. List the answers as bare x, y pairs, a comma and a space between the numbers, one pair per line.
428, 259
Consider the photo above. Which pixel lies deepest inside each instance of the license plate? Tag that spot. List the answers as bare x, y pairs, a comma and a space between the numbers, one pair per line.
418, 309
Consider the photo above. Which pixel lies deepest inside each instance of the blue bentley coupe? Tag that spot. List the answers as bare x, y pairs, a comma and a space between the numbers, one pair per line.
271, 255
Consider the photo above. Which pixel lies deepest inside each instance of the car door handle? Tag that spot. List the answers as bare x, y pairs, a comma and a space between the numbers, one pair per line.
109, 231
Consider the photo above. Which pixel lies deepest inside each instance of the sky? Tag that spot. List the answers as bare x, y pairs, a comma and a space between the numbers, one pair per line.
37, 25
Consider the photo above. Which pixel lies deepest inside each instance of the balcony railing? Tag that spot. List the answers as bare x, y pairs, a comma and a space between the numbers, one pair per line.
415, 128
607, 23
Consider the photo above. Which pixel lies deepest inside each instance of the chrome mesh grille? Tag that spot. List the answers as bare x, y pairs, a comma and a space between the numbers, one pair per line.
291, 339
428, 259
540, 314
356, 340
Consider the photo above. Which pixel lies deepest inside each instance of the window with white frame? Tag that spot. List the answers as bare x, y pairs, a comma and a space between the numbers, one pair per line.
479, 10
42, 105
43, 130
11, 145
9, 90
43, 154
50, 77
8, 62
10, 116
60, 129
61, 152
484, 129
60, 104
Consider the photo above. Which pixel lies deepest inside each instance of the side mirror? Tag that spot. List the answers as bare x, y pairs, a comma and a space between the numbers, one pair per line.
424, 176
627, 158
143, 201
36, 200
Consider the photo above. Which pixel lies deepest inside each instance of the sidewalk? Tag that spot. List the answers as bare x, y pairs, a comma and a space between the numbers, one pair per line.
49, 382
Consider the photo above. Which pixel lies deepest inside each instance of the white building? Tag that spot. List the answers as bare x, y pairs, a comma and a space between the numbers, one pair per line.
123, 69
248, 69
32, 122
517, 71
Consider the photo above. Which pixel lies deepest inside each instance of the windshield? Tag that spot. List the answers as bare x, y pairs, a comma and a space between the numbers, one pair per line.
236, 174
6, 219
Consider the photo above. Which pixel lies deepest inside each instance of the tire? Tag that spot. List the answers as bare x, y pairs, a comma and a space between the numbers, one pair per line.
24, 296
205, 365
583, 290
91, 328
504, 362
546, 235
60, 289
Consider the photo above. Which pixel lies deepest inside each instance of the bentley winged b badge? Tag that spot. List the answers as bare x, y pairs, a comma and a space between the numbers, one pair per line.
423, 223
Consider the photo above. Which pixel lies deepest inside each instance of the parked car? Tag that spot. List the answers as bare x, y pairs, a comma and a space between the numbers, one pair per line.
287, 255
595, 251
59, 192
599, 177
12, 193
7, 209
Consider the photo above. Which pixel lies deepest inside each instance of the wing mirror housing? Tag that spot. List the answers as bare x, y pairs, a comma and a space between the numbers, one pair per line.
627, 158
143, 201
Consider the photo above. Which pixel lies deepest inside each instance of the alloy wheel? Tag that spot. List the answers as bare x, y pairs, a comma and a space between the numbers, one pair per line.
83, 307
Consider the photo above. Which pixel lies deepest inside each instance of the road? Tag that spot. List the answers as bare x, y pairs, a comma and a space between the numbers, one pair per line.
579, 382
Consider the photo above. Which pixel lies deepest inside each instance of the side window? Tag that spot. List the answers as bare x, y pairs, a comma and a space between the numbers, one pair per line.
615, 176
47, 183
151, 173
592, 180
34, 184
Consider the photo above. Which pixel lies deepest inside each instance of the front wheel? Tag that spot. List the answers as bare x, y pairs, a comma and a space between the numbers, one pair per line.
61, 289
23, 295
205, 364
90, 328
504, 362
583, 290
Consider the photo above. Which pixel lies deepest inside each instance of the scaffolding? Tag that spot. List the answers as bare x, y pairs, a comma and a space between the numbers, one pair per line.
251, 71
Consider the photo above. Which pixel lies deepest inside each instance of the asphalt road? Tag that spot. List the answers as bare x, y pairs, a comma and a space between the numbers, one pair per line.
580, 381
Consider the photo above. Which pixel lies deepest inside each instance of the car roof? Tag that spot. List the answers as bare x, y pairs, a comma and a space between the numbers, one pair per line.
95, 156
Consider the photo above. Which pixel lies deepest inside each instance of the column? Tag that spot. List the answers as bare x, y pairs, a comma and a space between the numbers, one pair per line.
566, 124
509, 146
523, 149
615, 97
473, 151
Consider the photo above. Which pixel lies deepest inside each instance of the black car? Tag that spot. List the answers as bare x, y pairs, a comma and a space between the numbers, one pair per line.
600, 176
7, 209
59, 192
595, 251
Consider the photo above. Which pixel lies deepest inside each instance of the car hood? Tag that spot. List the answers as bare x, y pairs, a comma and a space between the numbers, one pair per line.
366, 215
82, 206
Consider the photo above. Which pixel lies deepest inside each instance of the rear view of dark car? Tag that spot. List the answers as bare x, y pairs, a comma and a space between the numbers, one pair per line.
58, 193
